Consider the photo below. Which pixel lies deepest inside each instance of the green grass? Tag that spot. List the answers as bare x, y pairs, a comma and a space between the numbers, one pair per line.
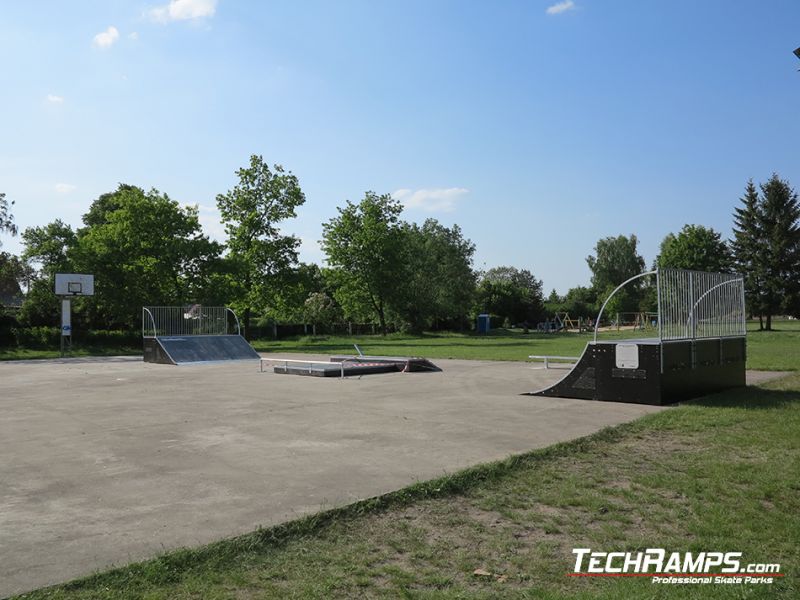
776, 350
30, 353
717, 474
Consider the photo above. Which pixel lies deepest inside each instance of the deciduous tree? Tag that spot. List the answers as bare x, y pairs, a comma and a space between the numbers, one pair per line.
365, 243
697, 248
616, 259
252, 212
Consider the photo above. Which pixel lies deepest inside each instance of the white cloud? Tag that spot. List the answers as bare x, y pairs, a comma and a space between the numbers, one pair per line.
55, 99
183, 10
560, 7
64, 188
133, 35
106, 38
431, 200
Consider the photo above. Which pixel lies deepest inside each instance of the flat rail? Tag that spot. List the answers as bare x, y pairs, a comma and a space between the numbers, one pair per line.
548, 357
287, 361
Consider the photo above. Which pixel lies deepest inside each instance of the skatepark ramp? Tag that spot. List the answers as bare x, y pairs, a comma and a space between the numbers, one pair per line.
178, 335
700, 348
344, 366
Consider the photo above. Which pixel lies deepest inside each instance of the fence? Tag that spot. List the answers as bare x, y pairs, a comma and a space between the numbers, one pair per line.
694, 304
188, 320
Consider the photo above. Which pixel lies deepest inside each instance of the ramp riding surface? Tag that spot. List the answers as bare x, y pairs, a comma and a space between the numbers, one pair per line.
180, 350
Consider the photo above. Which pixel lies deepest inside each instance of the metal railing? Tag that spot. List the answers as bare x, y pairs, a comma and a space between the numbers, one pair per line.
696, 305
309, 363
189, 320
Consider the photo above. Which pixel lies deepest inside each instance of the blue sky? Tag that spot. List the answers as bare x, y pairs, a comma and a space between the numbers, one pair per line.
538, 127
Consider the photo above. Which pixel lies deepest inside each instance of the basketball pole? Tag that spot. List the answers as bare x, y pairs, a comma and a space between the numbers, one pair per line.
66, 325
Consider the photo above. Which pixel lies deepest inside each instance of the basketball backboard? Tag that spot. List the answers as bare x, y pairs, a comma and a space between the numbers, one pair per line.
74, 284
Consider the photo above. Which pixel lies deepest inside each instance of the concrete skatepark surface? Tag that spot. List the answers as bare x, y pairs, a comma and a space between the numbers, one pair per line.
113, 460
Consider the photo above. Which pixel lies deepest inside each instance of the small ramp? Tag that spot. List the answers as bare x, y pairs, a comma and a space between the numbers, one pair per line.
649, 371
179, 335
345, 366
180, 350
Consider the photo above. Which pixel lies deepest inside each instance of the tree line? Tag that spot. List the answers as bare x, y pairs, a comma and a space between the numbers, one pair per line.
145, 248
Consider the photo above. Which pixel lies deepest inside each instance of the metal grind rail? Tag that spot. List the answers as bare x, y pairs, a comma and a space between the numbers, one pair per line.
286, 361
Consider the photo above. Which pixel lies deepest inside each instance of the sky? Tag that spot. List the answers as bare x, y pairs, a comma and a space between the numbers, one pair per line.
538, 127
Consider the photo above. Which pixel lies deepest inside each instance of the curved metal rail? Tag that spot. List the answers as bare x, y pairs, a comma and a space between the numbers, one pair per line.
611, 295
152, 320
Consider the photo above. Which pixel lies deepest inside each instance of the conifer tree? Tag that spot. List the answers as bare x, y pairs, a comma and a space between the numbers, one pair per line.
747, 240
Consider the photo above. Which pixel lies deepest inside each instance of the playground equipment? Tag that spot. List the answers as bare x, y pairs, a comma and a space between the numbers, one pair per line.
177, 335
563, 322
700, 346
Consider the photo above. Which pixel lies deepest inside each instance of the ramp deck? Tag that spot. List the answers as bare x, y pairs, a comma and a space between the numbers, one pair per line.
179, 350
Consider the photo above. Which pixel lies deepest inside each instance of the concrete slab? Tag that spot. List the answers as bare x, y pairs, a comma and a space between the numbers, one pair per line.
107, 461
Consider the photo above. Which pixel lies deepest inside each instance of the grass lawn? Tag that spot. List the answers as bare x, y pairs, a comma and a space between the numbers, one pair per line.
717, 474
775, 350
27, 353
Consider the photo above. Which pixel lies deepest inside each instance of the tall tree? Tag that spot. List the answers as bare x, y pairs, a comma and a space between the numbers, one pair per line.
439, 279
365, 243
13, 273
6, 218
747, 246
319, 309
697, 248
780, 211
49, 246
512, 293
146, 249
616, 259
767, 247
252, 212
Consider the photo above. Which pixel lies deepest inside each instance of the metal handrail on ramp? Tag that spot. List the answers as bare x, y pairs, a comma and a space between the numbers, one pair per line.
570, 360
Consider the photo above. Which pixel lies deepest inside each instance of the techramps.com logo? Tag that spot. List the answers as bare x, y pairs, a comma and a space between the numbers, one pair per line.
674, 567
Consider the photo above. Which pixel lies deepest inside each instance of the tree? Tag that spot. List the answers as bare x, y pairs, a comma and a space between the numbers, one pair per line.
364, 242
49, 247
616, 260
6, 218
252, 212
767, 247
290, 292
144, 249
319, 309
511, 293
13, 272
780, 254
747, 245
697, 248
439, 282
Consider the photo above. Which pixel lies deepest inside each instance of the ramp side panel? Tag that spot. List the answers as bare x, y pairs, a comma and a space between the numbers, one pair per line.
596, 377
719, 364
154, 352
207, 348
